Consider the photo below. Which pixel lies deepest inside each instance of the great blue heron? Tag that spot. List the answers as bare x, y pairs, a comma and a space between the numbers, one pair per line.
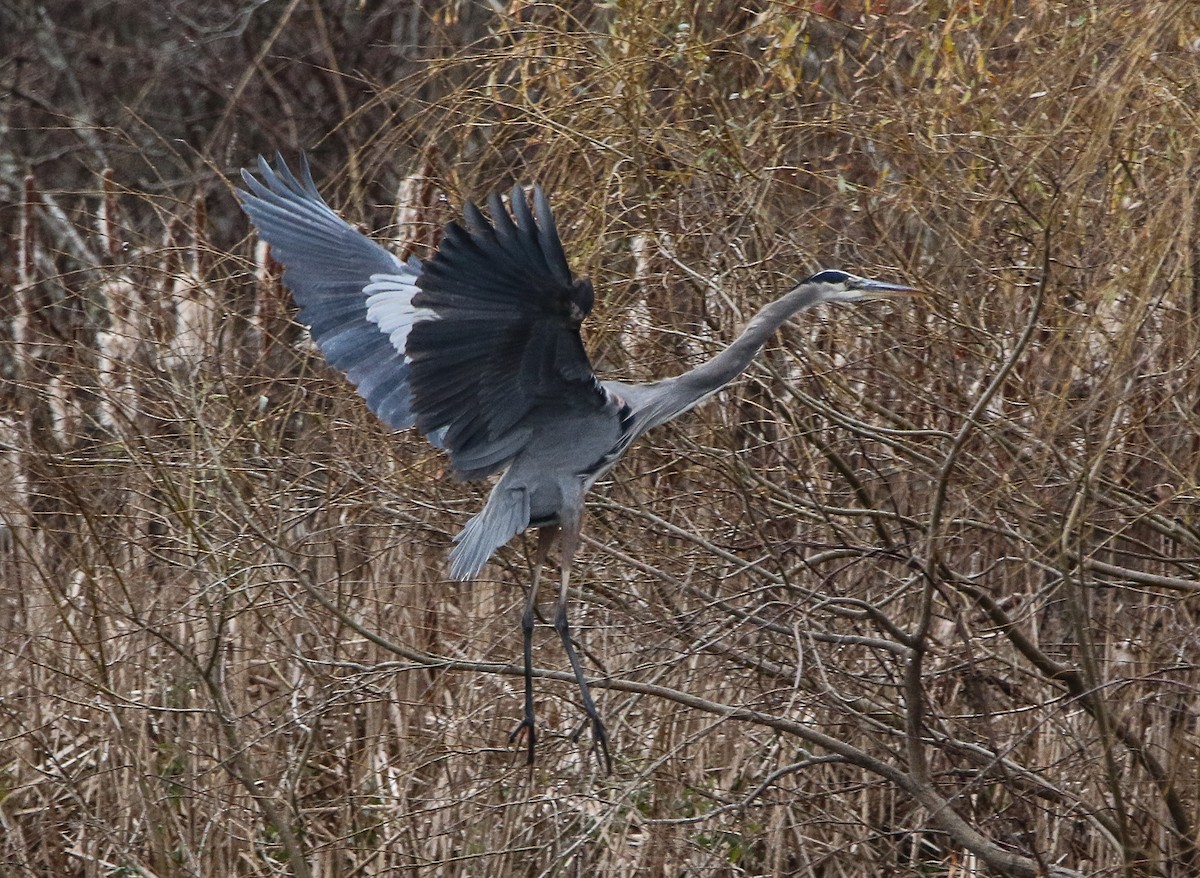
478, 347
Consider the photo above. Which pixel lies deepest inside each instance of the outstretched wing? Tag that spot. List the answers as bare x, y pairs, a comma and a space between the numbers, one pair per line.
355, 296
465, 345
506, 338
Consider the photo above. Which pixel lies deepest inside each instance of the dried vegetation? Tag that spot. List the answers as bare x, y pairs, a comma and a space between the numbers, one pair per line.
917, 597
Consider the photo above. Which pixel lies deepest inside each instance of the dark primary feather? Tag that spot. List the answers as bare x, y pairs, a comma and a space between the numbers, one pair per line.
328, 264
473, 346
506, 338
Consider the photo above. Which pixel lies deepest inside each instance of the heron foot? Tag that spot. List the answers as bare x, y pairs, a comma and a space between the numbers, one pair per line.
599, 740
527, 730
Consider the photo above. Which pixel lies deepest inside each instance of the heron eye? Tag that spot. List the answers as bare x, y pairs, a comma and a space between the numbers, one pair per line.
831, 276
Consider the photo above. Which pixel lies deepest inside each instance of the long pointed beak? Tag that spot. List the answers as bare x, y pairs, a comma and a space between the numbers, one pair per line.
877, 289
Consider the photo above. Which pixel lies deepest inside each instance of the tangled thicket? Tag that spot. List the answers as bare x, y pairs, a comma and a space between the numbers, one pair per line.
918, 596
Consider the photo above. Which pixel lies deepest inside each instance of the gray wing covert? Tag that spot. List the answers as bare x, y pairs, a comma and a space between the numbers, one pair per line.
466, 345
505, 341
355, 296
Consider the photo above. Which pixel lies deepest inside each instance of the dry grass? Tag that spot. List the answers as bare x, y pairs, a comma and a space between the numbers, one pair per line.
960, 538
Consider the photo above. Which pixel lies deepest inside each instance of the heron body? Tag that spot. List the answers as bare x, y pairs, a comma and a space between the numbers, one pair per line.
478, 348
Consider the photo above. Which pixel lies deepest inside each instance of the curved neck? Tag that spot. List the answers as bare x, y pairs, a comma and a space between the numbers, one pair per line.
674, 396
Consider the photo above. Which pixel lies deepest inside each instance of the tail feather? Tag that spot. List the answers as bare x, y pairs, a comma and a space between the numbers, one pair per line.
505, 515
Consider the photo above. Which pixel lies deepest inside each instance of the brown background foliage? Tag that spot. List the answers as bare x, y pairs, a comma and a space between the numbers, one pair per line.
917, 596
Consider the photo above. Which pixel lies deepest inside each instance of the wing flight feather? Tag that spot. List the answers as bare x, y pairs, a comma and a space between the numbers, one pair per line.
328, 266
466, 345
506, 338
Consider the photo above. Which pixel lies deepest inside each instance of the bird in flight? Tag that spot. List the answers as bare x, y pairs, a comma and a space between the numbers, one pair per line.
478, 347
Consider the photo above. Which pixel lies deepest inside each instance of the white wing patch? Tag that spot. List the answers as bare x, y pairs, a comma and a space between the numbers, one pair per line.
390, 307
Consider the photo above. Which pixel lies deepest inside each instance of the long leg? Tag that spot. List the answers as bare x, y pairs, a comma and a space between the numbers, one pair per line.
546, 537
570, 542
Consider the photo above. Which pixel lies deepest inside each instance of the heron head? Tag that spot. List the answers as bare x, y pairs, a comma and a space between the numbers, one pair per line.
840, 286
